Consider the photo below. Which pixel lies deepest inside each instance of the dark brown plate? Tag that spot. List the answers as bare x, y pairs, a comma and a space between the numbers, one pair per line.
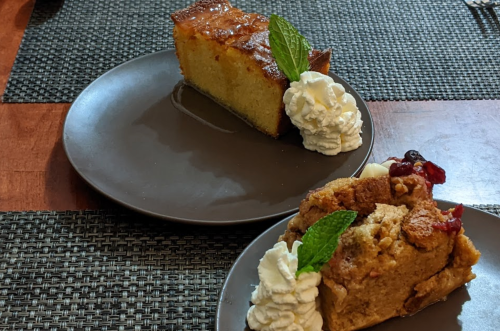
474, 306
203, 165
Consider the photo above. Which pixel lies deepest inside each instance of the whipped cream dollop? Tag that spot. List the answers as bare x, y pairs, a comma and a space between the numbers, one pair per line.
283, 302
376, 170
327, 116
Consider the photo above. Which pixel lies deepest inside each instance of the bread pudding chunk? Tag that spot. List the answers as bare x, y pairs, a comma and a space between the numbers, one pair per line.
225, 53
393, 264
400, 255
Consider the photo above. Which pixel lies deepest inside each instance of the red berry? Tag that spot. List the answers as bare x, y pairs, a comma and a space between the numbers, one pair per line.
414, 157
459, 210
453, 225
401, 169
435, 174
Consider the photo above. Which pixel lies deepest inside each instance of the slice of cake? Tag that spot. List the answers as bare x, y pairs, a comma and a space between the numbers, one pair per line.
225, 53
400, 255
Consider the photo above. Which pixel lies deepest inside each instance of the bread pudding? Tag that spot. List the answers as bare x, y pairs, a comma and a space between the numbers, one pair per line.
224, 53
400, 255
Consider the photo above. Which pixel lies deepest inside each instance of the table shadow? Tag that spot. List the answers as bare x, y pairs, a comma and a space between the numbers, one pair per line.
65, 188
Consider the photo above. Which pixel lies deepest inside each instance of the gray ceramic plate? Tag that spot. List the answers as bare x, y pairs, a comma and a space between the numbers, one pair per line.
202, 165
472, 307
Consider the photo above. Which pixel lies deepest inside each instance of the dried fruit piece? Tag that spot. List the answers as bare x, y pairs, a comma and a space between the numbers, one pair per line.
401, 169
414, 162
435, 174
458, 211
454, 224
413, 157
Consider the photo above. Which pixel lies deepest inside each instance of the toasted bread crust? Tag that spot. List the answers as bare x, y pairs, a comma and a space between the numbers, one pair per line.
356, 194
391, 261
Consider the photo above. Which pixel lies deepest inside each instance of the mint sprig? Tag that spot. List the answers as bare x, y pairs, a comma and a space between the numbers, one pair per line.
321, 240
289, 48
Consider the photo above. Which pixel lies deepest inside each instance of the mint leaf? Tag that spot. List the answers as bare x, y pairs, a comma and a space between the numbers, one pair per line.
321, 240
289, 48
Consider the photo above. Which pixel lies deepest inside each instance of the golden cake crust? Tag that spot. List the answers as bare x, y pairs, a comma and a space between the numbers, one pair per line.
212, 35
219, 21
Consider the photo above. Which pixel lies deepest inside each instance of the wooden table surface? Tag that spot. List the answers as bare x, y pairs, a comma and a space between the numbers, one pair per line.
463, 137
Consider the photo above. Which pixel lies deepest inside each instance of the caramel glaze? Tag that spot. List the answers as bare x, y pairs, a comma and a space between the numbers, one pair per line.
218, 20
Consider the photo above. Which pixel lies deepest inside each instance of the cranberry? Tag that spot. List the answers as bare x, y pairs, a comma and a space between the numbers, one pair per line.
459, 210
401, 169
414, 157
432, 173
454, 224
435, 174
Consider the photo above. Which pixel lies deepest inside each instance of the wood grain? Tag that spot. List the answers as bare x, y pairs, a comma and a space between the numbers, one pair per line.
14, 16
34, 170
461, 136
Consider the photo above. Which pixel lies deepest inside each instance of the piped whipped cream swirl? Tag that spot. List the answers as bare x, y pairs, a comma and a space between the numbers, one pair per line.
283, 302
327, 116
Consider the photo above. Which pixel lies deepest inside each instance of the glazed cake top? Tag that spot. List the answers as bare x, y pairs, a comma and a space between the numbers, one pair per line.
218, 20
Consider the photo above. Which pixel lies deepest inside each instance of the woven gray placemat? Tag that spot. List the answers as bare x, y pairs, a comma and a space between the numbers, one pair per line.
387, 50
98, 270
101, 270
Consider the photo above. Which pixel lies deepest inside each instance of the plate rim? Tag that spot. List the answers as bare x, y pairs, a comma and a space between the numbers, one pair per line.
94, 186
219, 310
